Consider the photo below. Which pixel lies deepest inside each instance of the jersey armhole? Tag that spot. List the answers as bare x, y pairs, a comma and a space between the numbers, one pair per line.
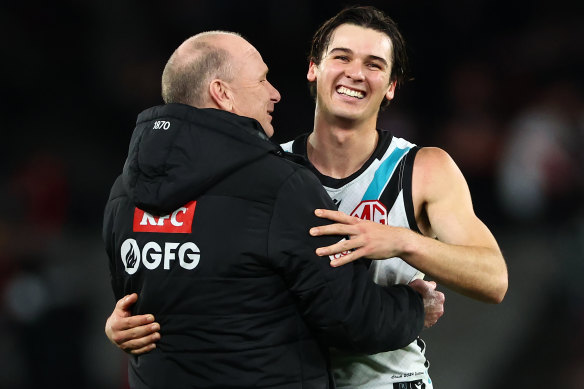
407, 188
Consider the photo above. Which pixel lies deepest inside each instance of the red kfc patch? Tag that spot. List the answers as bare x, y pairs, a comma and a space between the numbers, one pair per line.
179, 222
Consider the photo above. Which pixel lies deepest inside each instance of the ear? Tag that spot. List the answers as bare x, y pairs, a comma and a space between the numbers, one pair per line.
312, 72
391, 91
221, 95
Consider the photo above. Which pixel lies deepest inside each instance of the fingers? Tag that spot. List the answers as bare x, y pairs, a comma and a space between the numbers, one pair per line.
342, 247
434, 308
433, 300
133, 334
336, 216
135, 337
419, 285
341, 227
141, 345
143, 350
126, 302
132, 322
332, 229
341, 259
343, 252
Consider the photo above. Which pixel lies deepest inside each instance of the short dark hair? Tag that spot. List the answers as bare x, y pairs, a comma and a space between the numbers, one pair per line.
368, 17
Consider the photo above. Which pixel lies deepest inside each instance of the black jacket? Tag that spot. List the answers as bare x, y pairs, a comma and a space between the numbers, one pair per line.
230, 272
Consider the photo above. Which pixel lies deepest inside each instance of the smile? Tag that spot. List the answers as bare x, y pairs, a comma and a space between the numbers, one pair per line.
343, 90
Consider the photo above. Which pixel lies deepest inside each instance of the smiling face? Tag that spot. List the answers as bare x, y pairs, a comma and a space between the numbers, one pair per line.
353, 76
252, 95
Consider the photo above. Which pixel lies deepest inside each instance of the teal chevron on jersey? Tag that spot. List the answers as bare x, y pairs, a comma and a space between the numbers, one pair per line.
383, 173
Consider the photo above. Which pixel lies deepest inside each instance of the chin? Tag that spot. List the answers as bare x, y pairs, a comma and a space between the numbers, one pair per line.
269, 130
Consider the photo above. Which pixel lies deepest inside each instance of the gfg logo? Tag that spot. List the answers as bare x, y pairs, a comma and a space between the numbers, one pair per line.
161, 125
152, 255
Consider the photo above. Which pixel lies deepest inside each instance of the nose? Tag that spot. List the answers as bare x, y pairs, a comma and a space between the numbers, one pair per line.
274, 94
354, 70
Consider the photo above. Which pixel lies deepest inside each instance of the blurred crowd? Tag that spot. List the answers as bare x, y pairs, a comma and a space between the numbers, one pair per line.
497, 84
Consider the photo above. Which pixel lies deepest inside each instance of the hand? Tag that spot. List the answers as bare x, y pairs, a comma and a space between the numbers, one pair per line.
366, 238
133, 334
433, 300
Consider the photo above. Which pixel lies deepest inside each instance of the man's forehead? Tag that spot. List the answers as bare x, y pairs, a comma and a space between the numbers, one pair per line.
361, 40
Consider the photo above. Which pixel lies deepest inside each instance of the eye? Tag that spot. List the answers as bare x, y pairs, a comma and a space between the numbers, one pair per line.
374, 66
341, 57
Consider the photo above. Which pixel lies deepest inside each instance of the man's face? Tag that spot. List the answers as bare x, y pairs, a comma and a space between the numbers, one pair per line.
253, 96
353, 76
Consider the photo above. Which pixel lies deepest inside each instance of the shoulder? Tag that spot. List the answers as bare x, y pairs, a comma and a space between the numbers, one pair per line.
435, 173
279, 169
433, 159
118, 189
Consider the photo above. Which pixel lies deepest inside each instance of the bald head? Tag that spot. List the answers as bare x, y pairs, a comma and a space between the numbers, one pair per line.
221, 70
197, 61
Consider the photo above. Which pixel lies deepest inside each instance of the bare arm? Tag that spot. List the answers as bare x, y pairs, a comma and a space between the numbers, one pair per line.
133, 334
458, 250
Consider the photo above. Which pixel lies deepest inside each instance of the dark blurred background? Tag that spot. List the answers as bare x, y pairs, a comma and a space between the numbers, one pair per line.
498, 84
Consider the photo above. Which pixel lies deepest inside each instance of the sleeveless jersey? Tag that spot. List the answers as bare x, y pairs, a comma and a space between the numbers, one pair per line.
380, 191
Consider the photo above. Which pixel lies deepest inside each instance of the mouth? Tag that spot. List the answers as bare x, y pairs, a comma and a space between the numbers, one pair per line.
343, 90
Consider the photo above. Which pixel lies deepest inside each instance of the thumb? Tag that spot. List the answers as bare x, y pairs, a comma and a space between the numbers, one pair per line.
127, 301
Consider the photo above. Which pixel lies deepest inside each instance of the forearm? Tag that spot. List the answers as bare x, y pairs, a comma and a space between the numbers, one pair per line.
475, 271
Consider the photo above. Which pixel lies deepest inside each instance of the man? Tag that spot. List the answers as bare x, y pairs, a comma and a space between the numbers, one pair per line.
251, 308
415, 201
412, 205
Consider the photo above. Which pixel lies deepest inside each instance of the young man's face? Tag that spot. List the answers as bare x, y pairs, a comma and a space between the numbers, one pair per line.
353, 76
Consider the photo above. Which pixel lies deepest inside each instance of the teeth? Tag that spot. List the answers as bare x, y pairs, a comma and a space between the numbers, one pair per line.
349, 92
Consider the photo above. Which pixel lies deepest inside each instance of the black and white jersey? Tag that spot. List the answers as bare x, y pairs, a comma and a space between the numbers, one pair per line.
380, 191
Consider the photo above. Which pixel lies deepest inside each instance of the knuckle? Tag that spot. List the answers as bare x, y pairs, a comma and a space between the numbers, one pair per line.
117, 338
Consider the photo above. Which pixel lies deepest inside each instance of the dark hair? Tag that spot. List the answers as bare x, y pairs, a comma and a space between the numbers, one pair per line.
368, 17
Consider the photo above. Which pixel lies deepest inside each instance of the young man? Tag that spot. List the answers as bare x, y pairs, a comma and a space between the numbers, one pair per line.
412, 205
254, 308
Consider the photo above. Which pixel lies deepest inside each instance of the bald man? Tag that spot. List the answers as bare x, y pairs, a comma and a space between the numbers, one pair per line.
208, 224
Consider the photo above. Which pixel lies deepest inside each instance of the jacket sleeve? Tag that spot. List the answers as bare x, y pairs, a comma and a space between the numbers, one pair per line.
342, 306
108, 237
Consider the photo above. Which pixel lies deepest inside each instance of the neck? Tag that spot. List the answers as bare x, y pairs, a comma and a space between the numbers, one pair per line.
339, 148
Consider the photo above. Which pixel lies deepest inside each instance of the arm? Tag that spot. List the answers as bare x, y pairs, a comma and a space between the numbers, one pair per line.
133, 334
458, 250
331, 300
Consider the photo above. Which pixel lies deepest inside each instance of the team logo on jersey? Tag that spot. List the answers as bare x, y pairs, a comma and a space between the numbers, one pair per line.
153, 255
180, 221
373, 210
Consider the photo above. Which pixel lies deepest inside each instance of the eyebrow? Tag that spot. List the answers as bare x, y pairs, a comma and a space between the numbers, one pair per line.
349, 51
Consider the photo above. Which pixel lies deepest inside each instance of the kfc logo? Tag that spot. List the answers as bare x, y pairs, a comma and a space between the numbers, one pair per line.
180, 221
